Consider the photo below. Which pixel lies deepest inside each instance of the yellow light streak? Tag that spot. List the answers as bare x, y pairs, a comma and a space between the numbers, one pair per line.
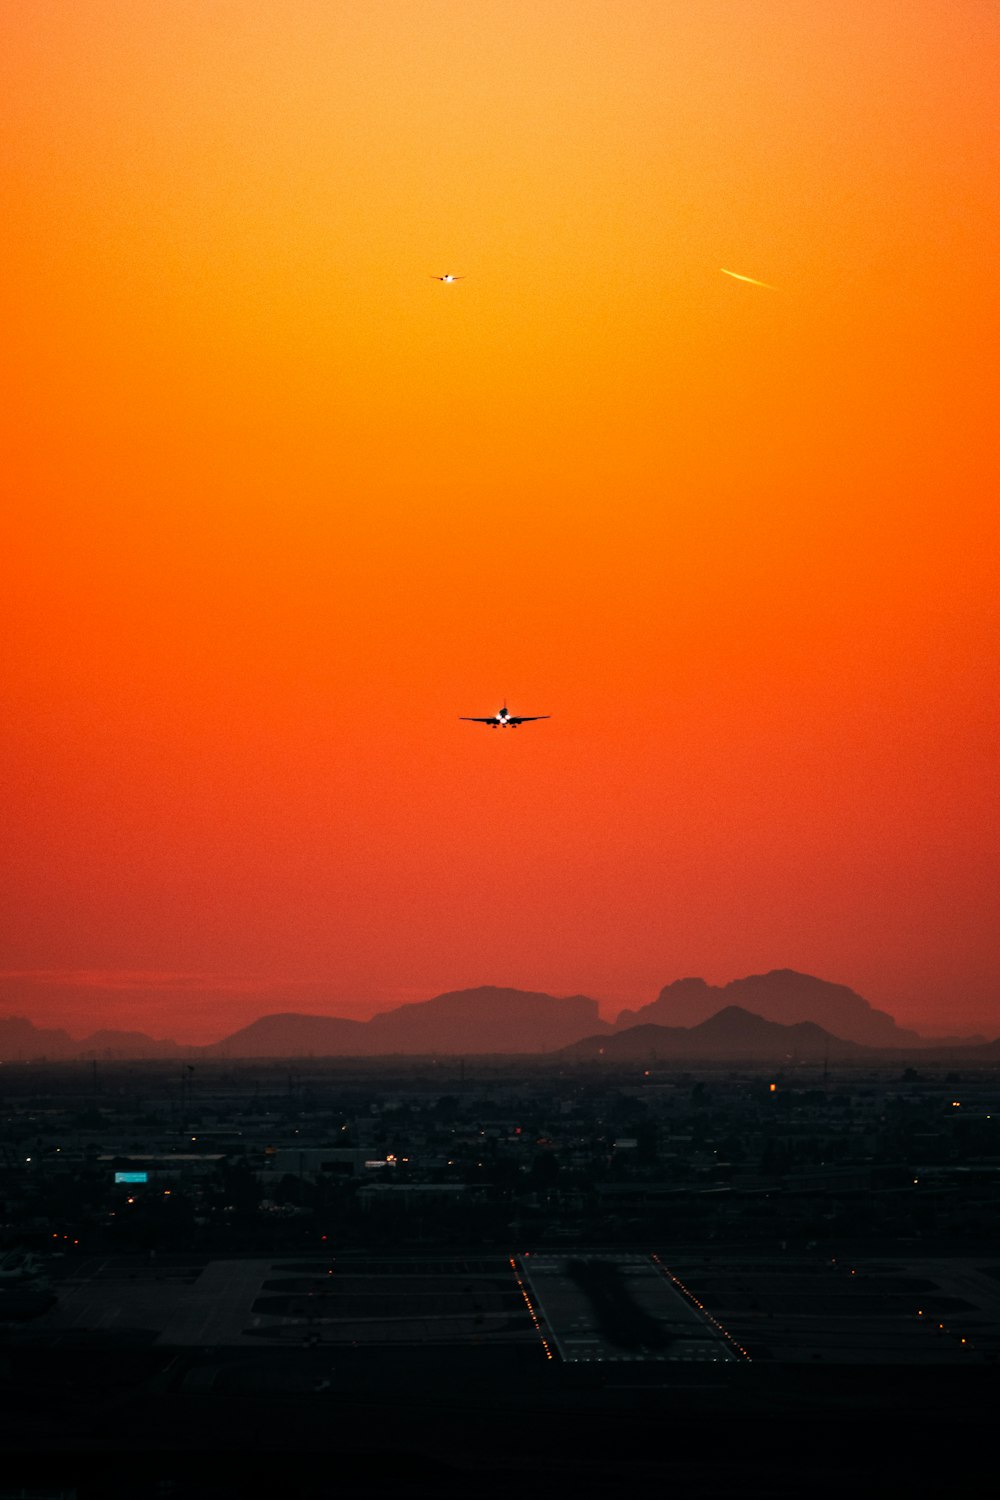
752, 279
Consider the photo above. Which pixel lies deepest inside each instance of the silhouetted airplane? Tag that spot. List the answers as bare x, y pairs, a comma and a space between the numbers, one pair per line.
449, 278
504, 719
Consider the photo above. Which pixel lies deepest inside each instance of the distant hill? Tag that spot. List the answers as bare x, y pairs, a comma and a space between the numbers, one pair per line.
784, 996
125, 1044
22, 1041
461, 1022
292, 1035
731, 1034
984, 1052
487, 1019
507, 1021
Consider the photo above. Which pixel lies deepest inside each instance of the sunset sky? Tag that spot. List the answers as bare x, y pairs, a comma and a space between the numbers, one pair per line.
282, 506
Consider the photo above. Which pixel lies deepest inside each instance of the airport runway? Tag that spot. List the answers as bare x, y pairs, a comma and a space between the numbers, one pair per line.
616, 1307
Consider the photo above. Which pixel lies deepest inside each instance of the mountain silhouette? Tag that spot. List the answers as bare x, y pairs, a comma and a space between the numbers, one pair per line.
22, 1041
289, 1034
731, 1034
782, 995
123, 1044
501, 1021
459, 1022
487, 1019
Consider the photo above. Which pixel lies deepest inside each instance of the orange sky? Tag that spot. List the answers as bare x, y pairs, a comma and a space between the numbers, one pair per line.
283, 507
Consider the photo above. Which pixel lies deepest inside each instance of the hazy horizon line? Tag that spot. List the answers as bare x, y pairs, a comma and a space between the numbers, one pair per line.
194, 982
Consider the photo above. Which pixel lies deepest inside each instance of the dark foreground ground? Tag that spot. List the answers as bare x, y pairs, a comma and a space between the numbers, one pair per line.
485, 1422
93, 1405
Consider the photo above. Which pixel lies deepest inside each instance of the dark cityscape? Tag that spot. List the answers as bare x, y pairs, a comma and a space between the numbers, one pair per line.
235, 1274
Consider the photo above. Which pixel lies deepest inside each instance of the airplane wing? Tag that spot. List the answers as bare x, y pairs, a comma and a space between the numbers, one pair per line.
466, 720
528, 718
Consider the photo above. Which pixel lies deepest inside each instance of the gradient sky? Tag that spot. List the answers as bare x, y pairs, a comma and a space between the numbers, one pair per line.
282, 506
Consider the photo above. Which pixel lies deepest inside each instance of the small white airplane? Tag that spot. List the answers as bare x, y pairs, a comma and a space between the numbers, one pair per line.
448, 279
504, 719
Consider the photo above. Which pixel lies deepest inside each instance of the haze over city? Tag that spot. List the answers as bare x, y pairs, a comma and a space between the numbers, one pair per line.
284, 506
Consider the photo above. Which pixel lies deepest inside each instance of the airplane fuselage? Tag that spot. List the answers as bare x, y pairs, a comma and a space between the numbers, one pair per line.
504, 719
